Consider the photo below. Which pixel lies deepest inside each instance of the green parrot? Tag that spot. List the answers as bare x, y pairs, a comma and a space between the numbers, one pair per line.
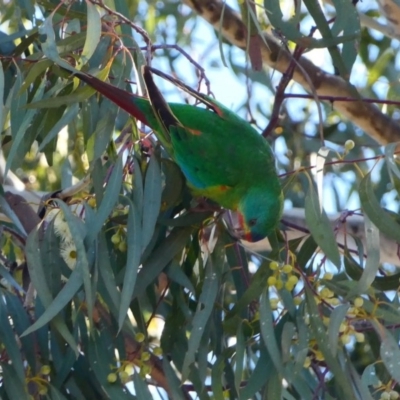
221, 155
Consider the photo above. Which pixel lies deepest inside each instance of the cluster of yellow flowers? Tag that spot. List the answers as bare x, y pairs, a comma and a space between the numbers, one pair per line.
127, 368
387, 393
40, 380
119, 237
282, 276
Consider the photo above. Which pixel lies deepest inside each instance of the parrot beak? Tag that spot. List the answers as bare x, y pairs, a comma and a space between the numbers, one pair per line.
245, 232
248, 236
252, 237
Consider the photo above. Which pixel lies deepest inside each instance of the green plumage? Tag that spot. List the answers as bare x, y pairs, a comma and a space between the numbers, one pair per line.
220, 154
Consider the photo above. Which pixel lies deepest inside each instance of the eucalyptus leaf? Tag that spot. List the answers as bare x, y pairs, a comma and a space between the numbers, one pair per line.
389, 351
380, 218
151, 200
335, 320
320, 227
92, 34
133, 239
202, 315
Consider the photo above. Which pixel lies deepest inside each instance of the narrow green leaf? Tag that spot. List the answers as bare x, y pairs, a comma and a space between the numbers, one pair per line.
360, 386
137, 186
93, 34
315, 9
151, 200
369, 376
287, 395
68, 116
49, 46
27, 119
372, 263
379, 67
335, 320
289, 28
52, 307
274, 385
66, 174
141, 389
320, 227
77, 229
67, 357
110, 197
63, 298
307, 251
2, 108
38, 68
347, 23
21, 321
202, 315
101, 357
173, 381
35, 267
14, 386
106, 273
7, 210
8, 340
55, 394
104, 129
79, 95
257, 285
380, 218
10, 279
160, 257
18, 101
176, 274
288, 333
389, 352
268, 331
390, 161
133, 238
216, 377
239, 356
343, 385
259, 375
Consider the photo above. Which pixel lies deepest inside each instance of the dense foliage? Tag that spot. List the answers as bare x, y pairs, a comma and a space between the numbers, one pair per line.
118, 284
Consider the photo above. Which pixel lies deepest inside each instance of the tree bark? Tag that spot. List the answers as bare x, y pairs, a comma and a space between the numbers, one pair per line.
366, 116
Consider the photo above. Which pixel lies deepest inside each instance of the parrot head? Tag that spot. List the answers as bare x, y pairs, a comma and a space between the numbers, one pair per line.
259, 214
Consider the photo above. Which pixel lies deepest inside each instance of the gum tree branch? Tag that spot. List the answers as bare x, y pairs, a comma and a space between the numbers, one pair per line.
365, 115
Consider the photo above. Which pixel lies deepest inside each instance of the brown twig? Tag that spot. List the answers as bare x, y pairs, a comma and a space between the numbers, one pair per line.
280, 92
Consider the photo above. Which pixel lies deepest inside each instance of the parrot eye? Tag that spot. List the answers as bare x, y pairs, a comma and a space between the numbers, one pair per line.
252, 222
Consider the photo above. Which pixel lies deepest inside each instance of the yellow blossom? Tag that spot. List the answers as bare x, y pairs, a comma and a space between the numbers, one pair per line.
287, 268
358, 302
111, 378
271, 281
273, 265
360, 337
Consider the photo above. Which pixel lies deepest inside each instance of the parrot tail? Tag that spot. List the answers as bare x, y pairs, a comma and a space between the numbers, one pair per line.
162, 111
131, 103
